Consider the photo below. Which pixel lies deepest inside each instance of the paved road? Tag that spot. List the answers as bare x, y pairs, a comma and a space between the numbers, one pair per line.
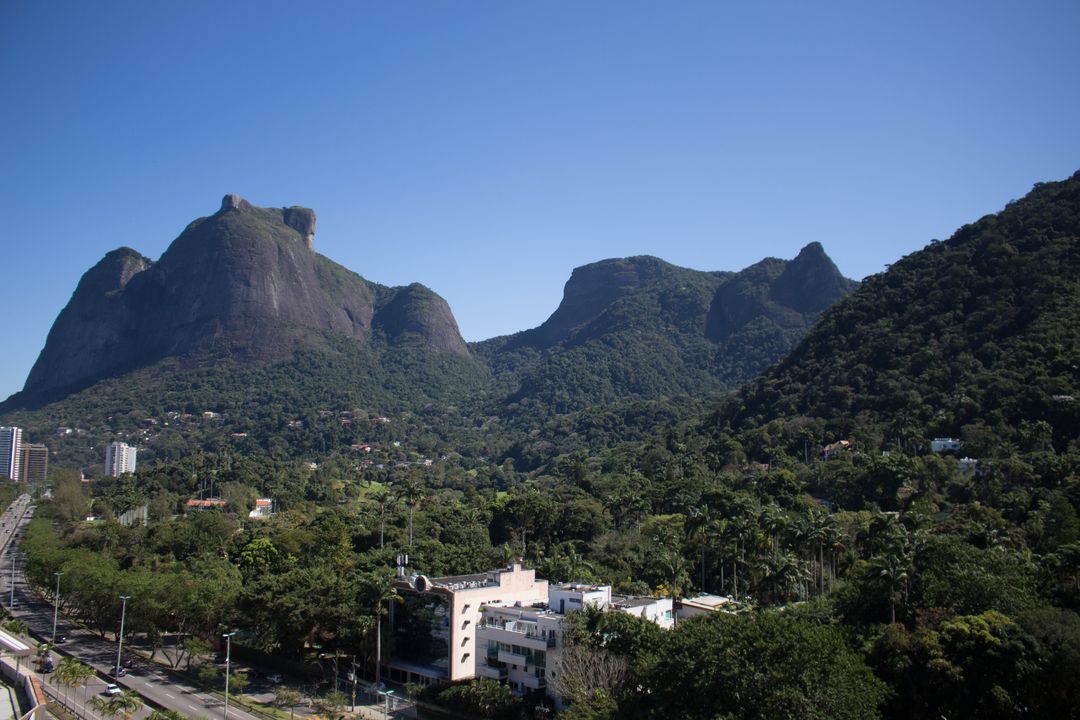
166, 689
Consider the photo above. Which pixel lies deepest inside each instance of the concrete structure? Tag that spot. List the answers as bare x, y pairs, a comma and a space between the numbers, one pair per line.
119, 459
436, 624
10, 457
34, 460
944, 445
703, 605
521, 644
264, 508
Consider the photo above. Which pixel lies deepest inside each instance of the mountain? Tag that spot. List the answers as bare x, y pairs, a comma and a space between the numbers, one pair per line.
639, 327
240, 317
976, 337
243, 284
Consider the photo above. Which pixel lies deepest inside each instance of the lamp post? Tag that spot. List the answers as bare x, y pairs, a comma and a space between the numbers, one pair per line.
228, 657
120, 647
56, 606
386, 707
352, 676
11, 559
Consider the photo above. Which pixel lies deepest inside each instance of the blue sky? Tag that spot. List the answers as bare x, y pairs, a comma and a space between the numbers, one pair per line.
485, 149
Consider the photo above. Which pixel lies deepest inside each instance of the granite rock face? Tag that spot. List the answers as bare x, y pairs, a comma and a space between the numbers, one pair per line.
302, 220
242, 282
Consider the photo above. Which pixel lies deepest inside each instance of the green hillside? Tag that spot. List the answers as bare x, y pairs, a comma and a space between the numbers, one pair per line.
976, 337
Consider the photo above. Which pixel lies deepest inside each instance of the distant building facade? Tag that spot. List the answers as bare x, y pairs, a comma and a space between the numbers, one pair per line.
119, 459
34, 461
264, 508
945, 445
10, 452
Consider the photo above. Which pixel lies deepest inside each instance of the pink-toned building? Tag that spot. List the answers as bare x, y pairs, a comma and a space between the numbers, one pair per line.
435, 627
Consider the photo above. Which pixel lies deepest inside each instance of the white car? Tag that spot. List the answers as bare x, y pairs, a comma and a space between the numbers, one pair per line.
112, 689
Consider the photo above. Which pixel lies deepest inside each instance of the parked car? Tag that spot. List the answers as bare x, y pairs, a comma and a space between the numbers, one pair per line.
112, 689
275, 678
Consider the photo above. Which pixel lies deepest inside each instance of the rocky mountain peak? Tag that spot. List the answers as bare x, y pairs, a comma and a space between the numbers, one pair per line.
811, 281
238, 283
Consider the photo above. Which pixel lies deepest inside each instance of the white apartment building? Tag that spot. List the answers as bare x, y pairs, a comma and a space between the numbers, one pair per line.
10, 452
119, 459
521, 644
435, 627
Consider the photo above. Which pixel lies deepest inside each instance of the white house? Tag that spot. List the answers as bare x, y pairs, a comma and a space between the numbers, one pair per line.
945, 445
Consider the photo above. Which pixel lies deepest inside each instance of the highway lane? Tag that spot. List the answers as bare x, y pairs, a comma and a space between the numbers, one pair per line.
155, 683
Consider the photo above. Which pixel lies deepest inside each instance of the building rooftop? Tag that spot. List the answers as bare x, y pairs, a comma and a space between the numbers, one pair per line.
706, 602
629, 601
580, 587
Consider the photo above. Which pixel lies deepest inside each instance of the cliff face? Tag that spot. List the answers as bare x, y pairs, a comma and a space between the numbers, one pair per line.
244, 282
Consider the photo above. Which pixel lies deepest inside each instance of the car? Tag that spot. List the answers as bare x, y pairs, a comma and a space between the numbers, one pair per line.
126, 662
60, 639
275, 678
112, 689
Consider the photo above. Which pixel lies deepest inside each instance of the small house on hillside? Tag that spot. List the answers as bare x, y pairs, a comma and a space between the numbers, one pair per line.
835, 449
945, 445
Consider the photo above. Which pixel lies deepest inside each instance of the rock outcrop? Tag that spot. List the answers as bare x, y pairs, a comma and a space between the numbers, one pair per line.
242, 282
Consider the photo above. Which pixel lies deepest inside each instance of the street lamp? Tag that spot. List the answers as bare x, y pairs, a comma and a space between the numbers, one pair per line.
11, 559
56, 606
228, 656
120, 647
386, 707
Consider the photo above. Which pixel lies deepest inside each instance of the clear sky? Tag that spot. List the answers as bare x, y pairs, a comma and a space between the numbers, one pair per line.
485, 149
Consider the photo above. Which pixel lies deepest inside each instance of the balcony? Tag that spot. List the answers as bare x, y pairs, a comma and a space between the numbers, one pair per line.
489, 671
534, 682
516, 633
512, 658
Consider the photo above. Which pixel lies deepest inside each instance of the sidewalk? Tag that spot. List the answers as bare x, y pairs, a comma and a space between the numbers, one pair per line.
9, 703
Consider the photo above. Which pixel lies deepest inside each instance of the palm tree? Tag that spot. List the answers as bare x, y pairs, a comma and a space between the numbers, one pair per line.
774, 522
384, 500
378, 593
412, 492
70, 672
780, 576
742, 530
700, 524
127, 703
165, 715
675, 571
893, 570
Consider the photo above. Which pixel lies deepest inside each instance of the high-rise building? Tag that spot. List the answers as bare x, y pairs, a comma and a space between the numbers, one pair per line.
10, 444
35, 463
119, 459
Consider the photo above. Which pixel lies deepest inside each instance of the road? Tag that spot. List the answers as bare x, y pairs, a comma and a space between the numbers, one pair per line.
157, 684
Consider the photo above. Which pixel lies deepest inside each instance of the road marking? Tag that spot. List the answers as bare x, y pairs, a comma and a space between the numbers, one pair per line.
170, 695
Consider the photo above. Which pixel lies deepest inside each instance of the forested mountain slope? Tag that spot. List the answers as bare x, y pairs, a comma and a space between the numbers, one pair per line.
976, 337
638, 328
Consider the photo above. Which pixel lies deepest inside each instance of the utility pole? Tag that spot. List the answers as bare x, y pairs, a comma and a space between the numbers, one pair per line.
56, 606
120, 647
353, 678
228, 657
